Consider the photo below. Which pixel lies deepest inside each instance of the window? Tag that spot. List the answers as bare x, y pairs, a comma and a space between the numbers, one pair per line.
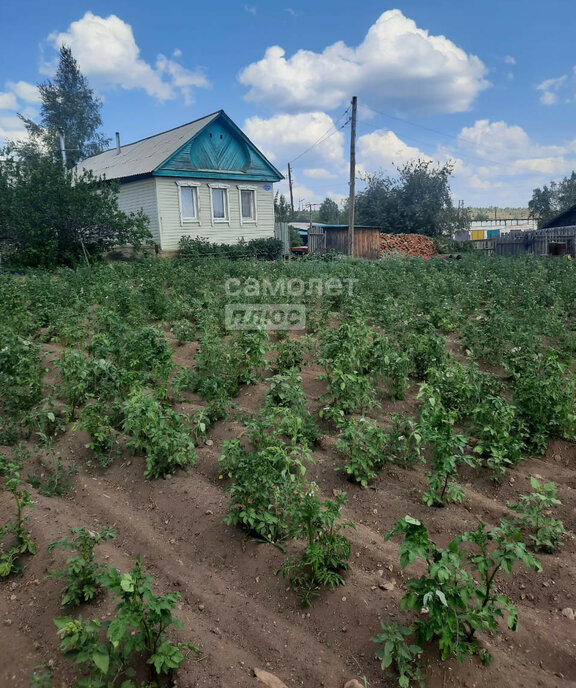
247, 203
219, 197
188, 201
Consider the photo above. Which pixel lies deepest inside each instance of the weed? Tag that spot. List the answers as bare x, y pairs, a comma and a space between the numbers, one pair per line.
54, 478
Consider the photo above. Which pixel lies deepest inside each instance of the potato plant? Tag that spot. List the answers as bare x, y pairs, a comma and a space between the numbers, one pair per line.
15, 538
109, 651
364, 443
458, 589
159, 432
533, 516
327, 551
84, 577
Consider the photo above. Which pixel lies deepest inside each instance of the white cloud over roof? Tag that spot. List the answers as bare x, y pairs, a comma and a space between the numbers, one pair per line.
284, 137
107, 53
397, 65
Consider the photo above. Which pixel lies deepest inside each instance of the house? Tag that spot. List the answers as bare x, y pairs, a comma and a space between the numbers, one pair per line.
566, 218
203, 179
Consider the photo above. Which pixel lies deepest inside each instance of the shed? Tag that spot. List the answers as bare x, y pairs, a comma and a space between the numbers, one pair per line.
366, 240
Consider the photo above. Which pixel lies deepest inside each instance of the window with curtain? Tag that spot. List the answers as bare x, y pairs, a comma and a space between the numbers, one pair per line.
188, 202
247, 204
219, 204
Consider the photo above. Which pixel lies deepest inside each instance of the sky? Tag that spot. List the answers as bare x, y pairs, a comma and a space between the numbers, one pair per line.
489, 85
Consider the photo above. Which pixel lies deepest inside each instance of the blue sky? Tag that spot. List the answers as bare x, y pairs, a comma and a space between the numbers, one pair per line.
489, 84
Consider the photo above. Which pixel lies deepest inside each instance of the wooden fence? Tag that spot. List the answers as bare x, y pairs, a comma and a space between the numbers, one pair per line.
282, 232
316, 240
541, 242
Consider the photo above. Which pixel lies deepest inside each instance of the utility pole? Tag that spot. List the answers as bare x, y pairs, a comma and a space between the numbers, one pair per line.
352, 178
290, 185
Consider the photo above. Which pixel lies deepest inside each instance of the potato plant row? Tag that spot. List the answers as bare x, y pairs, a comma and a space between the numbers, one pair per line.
487, 345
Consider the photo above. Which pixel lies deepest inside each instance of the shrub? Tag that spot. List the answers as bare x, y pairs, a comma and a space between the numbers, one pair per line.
198, 247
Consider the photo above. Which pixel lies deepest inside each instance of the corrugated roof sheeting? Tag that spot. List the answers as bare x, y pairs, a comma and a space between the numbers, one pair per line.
142, 157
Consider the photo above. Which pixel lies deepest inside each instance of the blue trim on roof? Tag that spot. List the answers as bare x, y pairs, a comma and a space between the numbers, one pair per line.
220, 150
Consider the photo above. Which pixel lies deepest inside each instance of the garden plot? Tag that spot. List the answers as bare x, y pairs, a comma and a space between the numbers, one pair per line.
257, 474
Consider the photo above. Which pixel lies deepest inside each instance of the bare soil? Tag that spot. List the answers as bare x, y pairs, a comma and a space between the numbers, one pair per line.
236, 607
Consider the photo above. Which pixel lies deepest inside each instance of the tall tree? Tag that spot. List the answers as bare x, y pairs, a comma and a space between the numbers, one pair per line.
553, 199
69, 106
328, 212
417, 201
281, 208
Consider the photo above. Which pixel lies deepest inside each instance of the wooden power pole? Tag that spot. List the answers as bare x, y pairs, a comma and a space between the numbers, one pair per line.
352, 178
290, 185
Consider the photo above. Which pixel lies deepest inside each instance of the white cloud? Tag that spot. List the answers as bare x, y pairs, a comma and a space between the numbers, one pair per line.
250, 9
8, 101
182, 78
319, 173
107, 53
548, 98
549, 89
381, 149
397, 65
12, 128
509, 60
29, 93
284, 137
302, 194
509, 150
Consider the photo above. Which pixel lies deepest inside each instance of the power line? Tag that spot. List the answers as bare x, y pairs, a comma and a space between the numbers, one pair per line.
468, 156
330, 132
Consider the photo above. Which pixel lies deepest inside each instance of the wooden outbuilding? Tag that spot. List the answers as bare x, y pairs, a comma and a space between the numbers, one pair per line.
366, 240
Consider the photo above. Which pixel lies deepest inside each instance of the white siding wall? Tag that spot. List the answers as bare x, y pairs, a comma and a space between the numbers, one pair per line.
172, 228
141, 195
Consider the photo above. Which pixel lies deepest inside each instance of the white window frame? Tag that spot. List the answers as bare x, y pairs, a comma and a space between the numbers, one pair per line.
248, 220
220, 220
194, 186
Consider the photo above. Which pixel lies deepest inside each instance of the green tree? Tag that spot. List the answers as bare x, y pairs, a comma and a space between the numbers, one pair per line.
328, 212
48, 216
417, 200
282, 210
552, 200
68, 106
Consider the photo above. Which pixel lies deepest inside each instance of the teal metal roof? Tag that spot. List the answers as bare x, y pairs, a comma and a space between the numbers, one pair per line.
211, 147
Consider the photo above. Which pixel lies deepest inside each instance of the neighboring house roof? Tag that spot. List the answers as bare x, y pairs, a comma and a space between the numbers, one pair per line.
565, 219
211, 147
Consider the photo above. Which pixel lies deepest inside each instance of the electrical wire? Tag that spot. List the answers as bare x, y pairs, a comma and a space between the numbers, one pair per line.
329, 133
467, 156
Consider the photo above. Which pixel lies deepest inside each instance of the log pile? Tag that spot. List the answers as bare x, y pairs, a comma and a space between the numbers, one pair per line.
408, 245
